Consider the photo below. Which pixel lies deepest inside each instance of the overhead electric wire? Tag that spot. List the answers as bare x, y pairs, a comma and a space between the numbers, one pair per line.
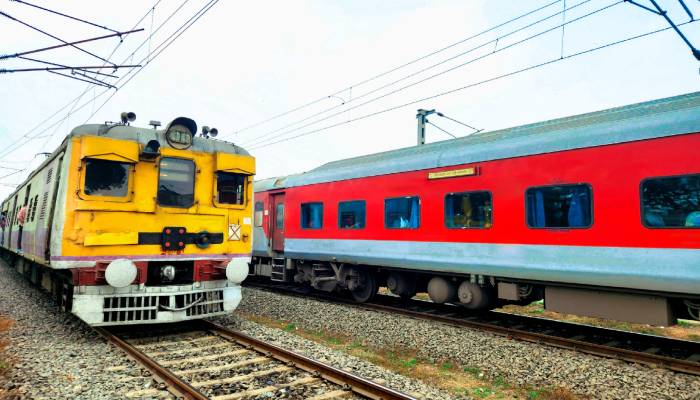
64, 15
24, 53
61, 65
179, 32
471, 85
260, 138
394, 69
54, 37
13, 146
402, 88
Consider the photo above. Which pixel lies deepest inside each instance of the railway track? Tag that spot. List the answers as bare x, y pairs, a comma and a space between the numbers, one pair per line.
674, 354
202, 360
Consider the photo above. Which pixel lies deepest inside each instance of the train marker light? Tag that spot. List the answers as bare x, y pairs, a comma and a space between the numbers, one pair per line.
120, 273
237, 270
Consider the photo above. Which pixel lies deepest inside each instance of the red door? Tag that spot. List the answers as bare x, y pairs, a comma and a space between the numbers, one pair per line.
277, 222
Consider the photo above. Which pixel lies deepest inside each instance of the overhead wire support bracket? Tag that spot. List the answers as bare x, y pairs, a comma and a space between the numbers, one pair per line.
659, 11
94, 82
24, 53
61, 65
67, 16
7, 71
55, 37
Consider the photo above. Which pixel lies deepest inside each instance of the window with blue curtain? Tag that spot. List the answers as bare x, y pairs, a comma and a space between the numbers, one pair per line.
671, 202
564, 206
312, 215
468, 210
351, 214
402, 213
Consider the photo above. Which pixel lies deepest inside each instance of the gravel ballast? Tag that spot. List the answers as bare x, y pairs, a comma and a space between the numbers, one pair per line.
55, 355
520, 363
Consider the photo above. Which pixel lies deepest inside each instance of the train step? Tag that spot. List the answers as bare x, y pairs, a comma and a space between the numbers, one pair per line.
279, 271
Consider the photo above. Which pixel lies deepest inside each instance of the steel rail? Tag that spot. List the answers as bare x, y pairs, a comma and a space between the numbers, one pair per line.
489, 322
177, 386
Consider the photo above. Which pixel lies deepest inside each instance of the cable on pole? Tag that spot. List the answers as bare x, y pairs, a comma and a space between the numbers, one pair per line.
660, 11
439, 114
428, 121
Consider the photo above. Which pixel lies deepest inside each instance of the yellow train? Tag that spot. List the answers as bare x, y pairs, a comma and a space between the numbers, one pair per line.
129, 225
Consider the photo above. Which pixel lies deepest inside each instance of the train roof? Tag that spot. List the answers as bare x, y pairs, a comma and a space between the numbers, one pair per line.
654, 119
144, 135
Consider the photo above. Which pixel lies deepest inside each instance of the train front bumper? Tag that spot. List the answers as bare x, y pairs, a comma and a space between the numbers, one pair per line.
106, 305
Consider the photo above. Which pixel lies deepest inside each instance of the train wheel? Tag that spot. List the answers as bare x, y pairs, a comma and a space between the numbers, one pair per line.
475, 297
367, 287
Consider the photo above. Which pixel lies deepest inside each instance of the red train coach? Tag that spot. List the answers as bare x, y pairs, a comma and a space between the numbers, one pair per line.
597, 213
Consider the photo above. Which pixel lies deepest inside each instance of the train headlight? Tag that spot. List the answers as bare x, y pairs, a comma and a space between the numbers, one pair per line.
237, 270
120, 273
167, 273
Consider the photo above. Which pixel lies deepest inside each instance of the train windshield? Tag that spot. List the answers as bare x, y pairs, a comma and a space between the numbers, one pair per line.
176, 182
106, 178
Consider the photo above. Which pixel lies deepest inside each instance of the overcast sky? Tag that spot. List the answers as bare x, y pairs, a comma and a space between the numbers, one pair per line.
244, 62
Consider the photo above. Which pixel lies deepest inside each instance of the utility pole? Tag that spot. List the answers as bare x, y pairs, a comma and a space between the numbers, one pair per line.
421, 117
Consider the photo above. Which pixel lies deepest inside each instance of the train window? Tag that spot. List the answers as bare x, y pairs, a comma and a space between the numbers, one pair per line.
230, 188
672, 202
258, 216
176, 182
312, 215
402, 213
566, 206
351, 214
36, 200
279, 216
106, 178
468, 210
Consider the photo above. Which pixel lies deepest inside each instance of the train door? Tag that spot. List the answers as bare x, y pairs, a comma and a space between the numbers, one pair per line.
277, 222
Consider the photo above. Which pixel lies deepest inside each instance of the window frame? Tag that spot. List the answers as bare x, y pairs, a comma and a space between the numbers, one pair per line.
420, 206
364, 205
255, 214
194, 183
444, 205
301, 215
592, 208
641, 200
215, 194
113, 199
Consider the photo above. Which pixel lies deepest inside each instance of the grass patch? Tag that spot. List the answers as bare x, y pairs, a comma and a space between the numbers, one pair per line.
462, 380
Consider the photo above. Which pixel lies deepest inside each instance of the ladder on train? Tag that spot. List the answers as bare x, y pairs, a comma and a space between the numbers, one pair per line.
278, 272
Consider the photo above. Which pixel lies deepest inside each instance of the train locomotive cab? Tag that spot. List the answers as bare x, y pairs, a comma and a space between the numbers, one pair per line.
137, 225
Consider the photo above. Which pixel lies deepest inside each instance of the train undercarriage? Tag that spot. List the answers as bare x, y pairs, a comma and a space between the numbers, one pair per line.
477, 292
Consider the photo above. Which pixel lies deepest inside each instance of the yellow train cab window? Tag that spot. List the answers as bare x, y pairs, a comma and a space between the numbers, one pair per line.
176, 182
106, 178
230, 188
